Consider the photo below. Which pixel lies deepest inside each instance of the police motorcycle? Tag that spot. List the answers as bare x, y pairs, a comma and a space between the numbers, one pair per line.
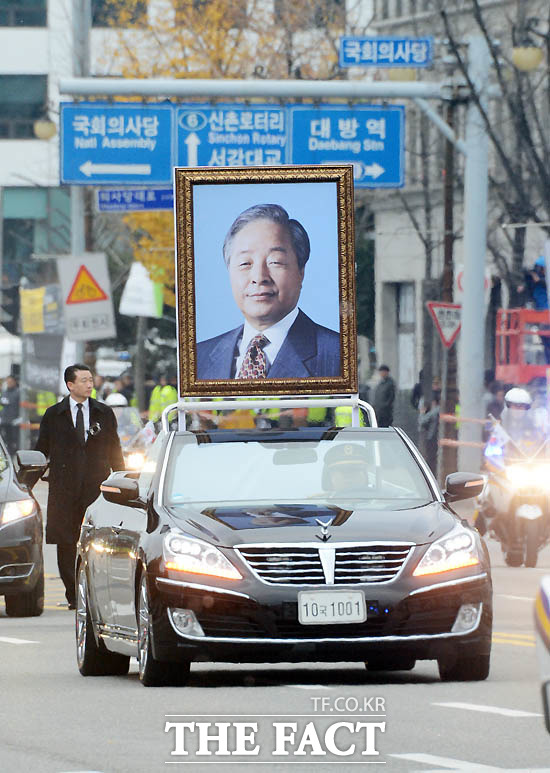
515, 503
133, 434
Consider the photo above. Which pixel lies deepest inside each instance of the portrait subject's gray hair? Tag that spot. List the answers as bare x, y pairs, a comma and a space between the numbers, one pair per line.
279, 215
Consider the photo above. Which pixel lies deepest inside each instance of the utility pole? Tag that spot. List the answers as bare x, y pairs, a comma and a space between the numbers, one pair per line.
472, 341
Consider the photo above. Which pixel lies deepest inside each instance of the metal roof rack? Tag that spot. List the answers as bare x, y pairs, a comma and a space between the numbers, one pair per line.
190, 405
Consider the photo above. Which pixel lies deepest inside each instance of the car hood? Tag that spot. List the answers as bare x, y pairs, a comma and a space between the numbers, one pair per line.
228, 525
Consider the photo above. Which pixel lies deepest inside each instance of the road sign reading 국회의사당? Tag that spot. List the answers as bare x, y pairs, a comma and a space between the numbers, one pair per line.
86, 291
447, 319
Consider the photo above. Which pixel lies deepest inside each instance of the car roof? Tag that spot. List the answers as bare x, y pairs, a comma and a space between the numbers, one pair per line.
298, 434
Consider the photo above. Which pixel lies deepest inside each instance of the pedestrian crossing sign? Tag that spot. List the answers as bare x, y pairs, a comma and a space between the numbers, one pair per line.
85, 288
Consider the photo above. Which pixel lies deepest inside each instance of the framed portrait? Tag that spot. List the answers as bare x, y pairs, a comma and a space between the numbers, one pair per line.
265, 281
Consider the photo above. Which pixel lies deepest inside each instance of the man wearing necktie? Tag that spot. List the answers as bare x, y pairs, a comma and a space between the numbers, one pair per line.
79, 436
265, 252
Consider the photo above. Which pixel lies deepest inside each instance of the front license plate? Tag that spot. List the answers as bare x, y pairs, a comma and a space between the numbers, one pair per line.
325, 607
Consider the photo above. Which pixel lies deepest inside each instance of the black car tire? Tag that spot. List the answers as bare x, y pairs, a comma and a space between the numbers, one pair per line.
381, 663
29, 604
152, 672
464, 668
93, 660
531, 543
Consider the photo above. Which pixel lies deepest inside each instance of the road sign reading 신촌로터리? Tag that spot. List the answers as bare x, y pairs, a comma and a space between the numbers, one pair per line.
369, 137
231, 135
87, 301
356, 51
116, 143
447, 319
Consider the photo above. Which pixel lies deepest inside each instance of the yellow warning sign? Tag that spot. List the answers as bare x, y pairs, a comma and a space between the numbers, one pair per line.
85, 288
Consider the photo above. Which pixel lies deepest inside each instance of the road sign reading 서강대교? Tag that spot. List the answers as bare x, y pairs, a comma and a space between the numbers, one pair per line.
86, 292
116, 143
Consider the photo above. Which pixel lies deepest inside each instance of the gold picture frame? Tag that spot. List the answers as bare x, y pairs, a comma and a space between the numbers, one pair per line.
211, 205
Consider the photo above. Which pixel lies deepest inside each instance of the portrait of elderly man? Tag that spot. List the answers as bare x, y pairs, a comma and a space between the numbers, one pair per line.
266, 252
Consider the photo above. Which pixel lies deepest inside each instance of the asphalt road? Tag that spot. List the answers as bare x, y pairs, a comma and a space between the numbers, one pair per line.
55, 721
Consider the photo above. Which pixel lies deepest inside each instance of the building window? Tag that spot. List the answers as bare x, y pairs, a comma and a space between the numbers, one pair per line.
234, 12
412, 7
384, 10
23, 99
399, 7
23, 13
116, 13
320, 13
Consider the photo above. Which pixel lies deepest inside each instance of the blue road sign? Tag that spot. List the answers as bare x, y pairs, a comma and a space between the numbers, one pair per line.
231, 135
385, 52
134, 199
369, 137
116, 143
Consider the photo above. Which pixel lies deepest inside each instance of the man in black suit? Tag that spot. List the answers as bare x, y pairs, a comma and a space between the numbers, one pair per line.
265, 252
79, 436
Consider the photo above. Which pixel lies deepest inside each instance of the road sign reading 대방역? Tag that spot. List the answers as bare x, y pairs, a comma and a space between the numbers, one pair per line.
86, 293
368, 136
385, 52
447, 319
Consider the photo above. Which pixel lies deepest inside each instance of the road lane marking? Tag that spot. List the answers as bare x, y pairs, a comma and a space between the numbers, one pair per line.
12, 640
513, 642
529, 636
515, 598
461, 765
487, 709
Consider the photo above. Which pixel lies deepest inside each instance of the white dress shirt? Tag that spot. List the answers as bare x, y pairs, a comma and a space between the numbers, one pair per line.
275, 334
85, 414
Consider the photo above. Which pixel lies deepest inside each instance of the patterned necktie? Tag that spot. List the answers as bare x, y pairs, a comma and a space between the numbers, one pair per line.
255, 362
80, 424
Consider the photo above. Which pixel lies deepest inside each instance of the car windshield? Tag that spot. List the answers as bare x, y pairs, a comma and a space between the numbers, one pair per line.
376, 468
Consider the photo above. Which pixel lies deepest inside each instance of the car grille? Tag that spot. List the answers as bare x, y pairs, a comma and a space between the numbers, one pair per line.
296, 565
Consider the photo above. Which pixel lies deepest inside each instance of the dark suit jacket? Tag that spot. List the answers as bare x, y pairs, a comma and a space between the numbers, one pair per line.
76, 470
308, 350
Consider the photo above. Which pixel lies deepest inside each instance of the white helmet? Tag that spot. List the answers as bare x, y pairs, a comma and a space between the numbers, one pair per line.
518, 398
115, 398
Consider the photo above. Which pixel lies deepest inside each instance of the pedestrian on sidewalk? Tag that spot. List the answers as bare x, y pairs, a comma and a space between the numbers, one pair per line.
79, 436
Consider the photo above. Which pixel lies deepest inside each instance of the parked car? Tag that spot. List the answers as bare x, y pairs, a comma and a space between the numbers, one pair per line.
267, 545
21, 534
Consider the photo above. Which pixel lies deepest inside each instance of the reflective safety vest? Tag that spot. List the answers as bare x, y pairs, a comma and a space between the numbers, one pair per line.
316, 414
343, 416
43, 401
161, 396
94, 393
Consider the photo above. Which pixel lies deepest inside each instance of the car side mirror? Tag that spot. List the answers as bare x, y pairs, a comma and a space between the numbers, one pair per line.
29, 467
121, 490
462, 485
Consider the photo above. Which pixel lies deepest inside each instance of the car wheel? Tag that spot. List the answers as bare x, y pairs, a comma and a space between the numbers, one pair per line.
152, 672
93, 659
30, 604
390, 664
464, 668
532, 543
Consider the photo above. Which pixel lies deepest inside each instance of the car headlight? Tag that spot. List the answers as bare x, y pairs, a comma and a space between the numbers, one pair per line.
455, 551
12, 511
186, 554
135, 460
522, 476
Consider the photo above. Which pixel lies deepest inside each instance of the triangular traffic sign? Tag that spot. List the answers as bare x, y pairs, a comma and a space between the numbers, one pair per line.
85, 288
447, 319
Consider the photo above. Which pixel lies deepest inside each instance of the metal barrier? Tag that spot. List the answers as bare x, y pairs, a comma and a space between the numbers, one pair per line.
184, 407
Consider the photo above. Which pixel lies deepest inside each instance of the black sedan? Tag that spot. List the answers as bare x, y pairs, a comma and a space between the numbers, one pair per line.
314, 544
21, 561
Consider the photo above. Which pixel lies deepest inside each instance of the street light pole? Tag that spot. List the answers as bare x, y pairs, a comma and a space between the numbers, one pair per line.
471, 357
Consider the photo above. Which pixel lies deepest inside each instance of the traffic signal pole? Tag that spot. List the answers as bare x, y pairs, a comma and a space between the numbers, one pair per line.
475, 146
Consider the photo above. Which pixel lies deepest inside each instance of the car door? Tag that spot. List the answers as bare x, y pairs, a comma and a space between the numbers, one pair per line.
96, 536
126, 535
